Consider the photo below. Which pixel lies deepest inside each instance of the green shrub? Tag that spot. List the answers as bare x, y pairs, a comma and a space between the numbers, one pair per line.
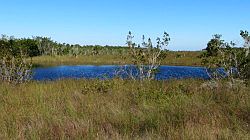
234, 61
13, 65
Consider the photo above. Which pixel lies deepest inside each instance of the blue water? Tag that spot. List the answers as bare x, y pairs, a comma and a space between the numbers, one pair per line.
110, 71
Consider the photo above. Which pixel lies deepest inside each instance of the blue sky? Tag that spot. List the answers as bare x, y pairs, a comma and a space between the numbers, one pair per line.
190, 23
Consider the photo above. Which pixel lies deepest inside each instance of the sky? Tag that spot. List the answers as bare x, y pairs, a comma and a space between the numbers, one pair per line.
190, 23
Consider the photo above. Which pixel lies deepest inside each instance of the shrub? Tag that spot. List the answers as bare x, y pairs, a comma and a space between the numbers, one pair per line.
13, 65
224, 60
245, 65
147, 58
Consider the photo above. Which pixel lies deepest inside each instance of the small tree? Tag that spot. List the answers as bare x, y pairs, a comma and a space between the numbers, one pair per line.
224, 60
147, 58
245, 59
210, 57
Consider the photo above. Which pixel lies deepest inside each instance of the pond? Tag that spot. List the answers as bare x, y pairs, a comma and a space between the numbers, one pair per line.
110, 71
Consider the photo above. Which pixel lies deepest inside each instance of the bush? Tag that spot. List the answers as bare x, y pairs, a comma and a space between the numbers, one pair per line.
224, 60
245, 65
13, 65
147, 58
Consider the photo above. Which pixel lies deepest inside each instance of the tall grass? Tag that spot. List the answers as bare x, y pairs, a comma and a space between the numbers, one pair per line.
121, 109
173, 58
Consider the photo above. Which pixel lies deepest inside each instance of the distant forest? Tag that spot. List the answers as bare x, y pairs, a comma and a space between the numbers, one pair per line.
37, 46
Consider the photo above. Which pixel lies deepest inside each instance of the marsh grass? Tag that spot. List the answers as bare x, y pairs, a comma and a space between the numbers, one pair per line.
123, 109
173, 58
80, 60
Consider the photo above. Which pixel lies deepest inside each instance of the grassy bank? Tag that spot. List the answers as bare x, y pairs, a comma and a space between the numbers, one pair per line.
118, 109
173, 58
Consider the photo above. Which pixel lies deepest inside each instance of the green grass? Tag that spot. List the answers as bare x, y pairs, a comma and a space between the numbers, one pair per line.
173, 58
121, 109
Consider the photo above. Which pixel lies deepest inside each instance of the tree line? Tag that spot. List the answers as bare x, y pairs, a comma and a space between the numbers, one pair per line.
38, 46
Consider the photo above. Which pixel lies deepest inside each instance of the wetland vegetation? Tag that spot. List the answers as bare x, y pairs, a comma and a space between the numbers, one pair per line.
133, 108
